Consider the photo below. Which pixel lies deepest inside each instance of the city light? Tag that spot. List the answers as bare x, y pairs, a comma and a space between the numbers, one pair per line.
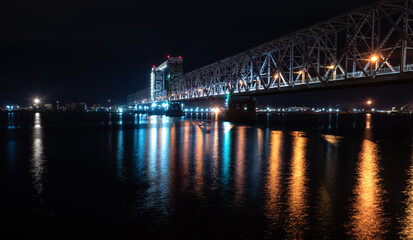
373, 58
331, 67
369, 102
36, 100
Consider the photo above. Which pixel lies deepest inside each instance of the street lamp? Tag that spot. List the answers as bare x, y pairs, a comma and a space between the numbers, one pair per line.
36, 100
374, 62
369, 103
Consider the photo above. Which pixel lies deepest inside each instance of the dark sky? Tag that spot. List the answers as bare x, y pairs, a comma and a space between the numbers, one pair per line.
97, 50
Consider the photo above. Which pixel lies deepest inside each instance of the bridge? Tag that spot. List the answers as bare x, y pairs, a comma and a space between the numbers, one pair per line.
368, 46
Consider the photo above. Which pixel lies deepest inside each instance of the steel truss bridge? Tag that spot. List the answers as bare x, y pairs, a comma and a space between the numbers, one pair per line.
369, 45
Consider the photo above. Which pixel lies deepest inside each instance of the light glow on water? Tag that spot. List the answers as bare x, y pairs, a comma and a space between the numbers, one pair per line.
407, 220
239, 174
273, 186
38, 159
367, 219
212, 178
199, 162
297, 189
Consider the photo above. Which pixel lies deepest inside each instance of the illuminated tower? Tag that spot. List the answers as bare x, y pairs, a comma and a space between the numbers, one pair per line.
162, 75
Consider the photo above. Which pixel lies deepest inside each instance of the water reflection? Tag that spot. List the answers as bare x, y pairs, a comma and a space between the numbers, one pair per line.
324, 209
232, 175
367, 219
163, 170
143, 118
37, 160
226, 155
273, 187
199, 152
151, 165
239, 177
297, 190
255, 154
120, 119
158, 172
407, 220
186, 144
139, 145
11, 145
368, 121
119, 157
215, 154
10, 120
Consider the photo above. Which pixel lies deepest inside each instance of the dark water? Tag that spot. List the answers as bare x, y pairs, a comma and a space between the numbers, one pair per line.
110, 176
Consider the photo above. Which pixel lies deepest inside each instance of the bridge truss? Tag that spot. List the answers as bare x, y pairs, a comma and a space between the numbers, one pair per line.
368, 44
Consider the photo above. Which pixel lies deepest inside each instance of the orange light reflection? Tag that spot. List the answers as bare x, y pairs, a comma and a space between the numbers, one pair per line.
407, 220
240, 167
297, 190
367, 216
273, 186
199, 152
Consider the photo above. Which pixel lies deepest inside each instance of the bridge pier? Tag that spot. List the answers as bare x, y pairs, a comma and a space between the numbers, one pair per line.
240, 109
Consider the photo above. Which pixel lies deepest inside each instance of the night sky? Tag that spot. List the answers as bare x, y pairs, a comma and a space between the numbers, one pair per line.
97, 50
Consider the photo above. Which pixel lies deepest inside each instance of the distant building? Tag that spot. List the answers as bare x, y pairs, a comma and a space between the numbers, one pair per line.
48, 106
76, 107
298, 109
95, 107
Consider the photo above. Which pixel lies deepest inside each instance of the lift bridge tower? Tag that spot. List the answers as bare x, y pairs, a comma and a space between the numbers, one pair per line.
162, 77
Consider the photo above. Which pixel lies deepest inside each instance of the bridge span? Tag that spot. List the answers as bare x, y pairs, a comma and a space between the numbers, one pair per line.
368, 46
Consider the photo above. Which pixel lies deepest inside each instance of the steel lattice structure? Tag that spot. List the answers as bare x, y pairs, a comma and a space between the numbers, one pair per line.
370, 44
